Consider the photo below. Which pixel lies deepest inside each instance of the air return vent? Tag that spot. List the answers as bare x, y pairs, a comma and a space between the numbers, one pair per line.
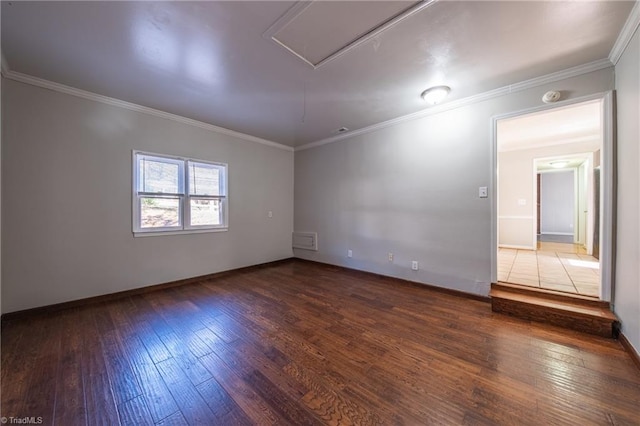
305, 240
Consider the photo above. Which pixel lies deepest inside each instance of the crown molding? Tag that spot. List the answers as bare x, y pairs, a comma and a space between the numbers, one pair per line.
46, 84
517, 87
627, 32
4, 65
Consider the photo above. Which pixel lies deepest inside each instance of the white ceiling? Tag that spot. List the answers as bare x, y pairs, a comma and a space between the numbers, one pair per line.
210, 62
572, 162
575, 123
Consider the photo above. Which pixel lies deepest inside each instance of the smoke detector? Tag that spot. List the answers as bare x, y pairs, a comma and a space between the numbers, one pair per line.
551, 96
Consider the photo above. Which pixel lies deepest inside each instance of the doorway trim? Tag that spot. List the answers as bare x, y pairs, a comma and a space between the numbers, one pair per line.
607, 187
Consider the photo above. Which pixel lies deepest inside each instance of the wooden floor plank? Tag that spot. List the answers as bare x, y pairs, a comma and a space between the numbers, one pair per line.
221, 404
304, 343
40, 399
253, 405
70, 408
155, 393
194, 409
100, 404
184, 357
19, 354
134, 412
176, 419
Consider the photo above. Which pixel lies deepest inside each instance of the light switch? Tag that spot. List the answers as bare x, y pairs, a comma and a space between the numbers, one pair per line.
522, 202
270, 214
482, 192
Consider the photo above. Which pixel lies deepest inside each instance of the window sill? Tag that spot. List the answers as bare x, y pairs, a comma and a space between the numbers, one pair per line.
180, 232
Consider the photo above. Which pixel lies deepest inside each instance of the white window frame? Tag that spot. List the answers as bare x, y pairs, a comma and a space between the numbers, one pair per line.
184, 197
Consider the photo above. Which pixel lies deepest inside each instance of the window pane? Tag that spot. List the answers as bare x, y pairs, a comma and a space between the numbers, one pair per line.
159, 175
205, 212
156, 212
204, 179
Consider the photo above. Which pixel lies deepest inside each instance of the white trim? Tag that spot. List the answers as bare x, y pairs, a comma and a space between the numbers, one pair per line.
527, 84
282, 22
561, 75
35, 81
607, 188
184, 197
626, 34
534, 205
514, 246
516, 217
180, 232
607, 199
4, 65
546, 107
494, 197
300, 6
544, 142
557, 233
285, 19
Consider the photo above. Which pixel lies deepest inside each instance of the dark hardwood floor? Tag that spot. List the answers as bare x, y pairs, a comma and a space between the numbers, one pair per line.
306, 344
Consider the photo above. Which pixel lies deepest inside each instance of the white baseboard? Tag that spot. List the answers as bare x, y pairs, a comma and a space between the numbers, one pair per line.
513, 246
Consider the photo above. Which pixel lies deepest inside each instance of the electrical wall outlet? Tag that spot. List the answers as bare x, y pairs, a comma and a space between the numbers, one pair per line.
270, 214
349, 253
414, 265
390, 257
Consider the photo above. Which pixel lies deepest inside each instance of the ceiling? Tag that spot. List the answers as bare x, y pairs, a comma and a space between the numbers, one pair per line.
214, 61
569, 162
578, 123
575, 123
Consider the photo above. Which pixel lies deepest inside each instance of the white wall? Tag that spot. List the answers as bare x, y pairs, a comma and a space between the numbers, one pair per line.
66, 215
557, 202
627, 281
1, 131
516, 181
412, 189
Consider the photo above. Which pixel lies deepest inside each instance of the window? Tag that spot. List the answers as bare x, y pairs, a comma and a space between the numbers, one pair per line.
172, 194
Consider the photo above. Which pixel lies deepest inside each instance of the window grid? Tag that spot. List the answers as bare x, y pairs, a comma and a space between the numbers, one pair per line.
198, 186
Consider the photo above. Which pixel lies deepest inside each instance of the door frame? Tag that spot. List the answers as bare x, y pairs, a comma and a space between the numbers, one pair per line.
574, 172
607, 185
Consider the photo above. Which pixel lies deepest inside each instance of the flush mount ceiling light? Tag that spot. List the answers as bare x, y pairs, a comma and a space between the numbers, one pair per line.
434, 95
558, 164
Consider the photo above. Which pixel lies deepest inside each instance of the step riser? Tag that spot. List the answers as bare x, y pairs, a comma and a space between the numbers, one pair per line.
551, 295
598, 326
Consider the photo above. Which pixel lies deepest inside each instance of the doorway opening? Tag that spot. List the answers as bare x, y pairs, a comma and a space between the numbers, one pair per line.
549, 220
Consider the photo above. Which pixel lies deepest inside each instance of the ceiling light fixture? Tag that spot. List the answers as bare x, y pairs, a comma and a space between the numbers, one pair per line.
558, 164
436, 94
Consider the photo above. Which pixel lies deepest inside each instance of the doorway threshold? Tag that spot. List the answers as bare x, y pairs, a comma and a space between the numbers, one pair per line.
572, 311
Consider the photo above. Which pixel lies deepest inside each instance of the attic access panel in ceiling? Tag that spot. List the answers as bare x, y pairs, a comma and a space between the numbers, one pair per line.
319, 31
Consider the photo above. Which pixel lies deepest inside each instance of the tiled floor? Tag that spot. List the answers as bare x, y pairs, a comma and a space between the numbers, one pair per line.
554, 266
